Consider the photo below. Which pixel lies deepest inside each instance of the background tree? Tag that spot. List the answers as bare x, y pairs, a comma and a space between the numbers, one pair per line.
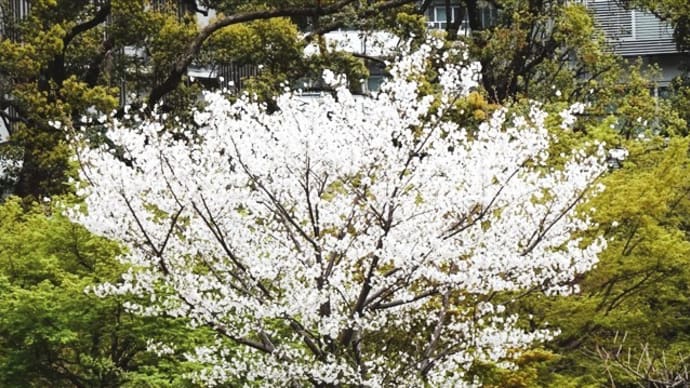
531, 49
524, 57
677, 13
638, 288
64, 60
554, 60
54, 334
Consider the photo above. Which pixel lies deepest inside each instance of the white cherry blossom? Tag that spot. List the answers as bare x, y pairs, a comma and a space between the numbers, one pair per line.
343, 239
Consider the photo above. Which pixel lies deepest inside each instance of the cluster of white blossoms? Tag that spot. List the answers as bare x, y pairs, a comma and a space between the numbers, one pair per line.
343, 239
9, 171
568, 117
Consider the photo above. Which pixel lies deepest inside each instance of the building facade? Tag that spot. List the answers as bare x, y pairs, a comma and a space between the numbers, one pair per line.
439, 15
636, 34
631, 33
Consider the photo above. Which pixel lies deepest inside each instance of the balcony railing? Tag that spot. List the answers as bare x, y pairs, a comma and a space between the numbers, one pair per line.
632, 32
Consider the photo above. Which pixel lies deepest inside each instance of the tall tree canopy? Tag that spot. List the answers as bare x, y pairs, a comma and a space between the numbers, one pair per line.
64, 60
528, 47
54, 334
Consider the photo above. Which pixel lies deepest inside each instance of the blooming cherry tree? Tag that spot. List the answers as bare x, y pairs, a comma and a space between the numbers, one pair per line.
343, 239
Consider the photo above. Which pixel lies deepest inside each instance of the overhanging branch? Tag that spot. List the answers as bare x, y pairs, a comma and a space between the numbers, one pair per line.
193, 48
100, 17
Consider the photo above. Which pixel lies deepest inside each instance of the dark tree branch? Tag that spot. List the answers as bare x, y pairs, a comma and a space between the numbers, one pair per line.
98, 18
431, 347
541, 232
459, 227
424, 6
91, 74
401, 302
265, 345
193, 48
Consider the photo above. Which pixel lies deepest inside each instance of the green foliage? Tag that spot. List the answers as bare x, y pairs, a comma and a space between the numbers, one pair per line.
542, 50
639, 290
57, 65
274, 44
530, 371
69, 59
53, 332
640, 287
275, 47
409, 25
680, 98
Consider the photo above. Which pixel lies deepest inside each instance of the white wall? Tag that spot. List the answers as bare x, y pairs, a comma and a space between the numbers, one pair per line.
4, 134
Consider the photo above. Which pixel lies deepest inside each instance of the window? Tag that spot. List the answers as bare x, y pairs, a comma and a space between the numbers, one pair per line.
438, 17
489, 16
11, 13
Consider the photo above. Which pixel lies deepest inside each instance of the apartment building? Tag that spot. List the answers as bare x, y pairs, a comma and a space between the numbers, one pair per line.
638, 34
631, 33
10, 12
440, 15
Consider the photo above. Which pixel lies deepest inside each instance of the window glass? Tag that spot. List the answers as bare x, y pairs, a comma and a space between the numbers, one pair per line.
440, 14
457, 15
